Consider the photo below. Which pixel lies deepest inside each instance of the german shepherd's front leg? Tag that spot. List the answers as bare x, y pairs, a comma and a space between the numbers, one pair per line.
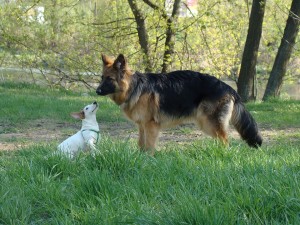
151, 132
141, 142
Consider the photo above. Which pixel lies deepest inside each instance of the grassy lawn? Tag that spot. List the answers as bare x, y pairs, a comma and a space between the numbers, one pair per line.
199, 182
21, 103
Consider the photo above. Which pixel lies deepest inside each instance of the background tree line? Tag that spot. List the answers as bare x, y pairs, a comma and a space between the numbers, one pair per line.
63, 39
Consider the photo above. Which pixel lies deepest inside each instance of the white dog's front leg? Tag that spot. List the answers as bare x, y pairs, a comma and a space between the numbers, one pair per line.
91, 145
91, 137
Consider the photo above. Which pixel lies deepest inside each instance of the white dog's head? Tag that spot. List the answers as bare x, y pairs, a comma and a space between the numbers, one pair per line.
88, 112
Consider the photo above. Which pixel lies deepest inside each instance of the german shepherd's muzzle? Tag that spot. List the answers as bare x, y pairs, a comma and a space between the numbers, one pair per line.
106, 87
156, 101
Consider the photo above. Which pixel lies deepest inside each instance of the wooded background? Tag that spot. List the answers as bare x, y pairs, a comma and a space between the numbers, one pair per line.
246, 41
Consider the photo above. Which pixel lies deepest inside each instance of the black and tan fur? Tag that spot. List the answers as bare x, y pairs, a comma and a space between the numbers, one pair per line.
156, 101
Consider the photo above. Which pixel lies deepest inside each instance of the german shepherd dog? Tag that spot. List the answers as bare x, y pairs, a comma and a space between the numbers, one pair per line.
156, 101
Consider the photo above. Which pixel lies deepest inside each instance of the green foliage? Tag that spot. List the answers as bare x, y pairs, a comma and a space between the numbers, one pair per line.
66, 47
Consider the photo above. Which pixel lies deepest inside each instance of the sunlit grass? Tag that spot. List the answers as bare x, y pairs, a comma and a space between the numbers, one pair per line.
277, 113
22, 103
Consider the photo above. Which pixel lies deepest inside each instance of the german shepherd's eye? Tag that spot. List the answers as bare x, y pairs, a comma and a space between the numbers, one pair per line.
103, 77
108, 78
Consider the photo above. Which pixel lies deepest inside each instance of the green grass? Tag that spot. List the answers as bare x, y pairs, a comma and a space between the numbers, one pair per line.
195, 183
277, 113
22, 103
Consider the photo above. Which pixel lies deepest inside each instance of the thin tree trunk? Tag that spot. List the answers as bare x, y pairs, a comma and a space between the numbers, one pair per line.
170, 31
245, 85
170, 37
284, 52
142, 34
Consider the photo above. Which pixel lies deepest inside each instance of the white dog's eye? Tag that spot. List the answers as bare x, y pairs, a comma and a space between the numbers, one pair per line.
86, 108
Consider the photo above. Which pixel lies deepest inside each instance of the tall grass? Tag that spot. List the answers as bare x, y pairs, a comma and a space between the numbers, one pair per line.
193, 184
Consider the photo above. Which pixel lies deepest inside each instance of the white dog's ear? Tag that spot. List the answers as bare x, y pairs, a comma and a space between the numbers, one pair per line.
78, 115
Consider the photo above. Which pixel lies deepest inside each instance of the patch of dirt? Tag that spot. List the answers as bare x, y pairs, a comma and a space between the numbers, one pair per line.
9, 146
42, 131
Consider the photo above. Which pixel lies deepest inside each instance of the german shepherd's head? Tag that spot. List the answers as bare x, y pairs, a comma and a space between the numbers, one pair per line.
115, 78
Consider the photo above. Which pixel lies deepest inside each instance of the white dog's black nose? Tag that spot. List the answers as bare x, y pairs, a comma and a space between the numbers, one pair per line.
95, 103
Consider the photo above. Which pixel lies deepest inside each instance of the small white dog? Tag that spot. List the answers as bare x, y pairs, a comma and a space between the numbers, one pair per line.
87, 137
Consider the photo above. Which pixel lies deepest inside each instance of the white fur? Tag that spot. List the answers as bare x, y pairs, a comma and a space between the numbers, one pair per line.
87, 137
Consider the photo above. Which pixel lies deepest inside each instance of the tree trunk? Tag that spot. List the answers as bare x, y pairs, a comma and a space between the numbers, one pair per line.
142, 34
247, 75
170, 37
284, 52
170, 31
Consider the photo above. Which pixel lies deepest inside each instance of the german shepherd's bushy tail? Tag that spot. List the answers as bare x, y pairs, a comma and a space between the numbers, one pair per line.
245, 124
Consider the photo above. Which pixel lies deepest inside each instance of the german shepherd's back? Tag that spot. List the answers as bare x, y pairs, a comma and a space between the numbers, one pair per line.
155, 101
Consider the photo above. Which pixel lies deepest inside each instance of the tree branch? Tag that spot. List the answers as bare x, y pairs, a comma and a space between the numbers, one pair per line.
156, 7
114, 21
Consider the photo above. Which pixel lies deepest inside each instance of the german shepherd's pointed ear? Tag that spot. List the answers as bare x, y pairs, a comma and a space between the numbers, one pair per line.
120, 63
106, 60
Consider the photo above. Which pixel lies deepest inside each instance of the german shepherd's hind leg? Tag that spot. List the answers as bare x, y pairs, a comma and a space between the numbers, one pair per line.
223, 115
221, 134
151, 132
214, 129
213, 118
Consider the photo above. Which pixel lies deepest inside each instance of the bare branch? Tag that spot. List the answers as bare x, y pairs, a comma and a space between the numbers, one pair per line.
156, 7
113, 21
